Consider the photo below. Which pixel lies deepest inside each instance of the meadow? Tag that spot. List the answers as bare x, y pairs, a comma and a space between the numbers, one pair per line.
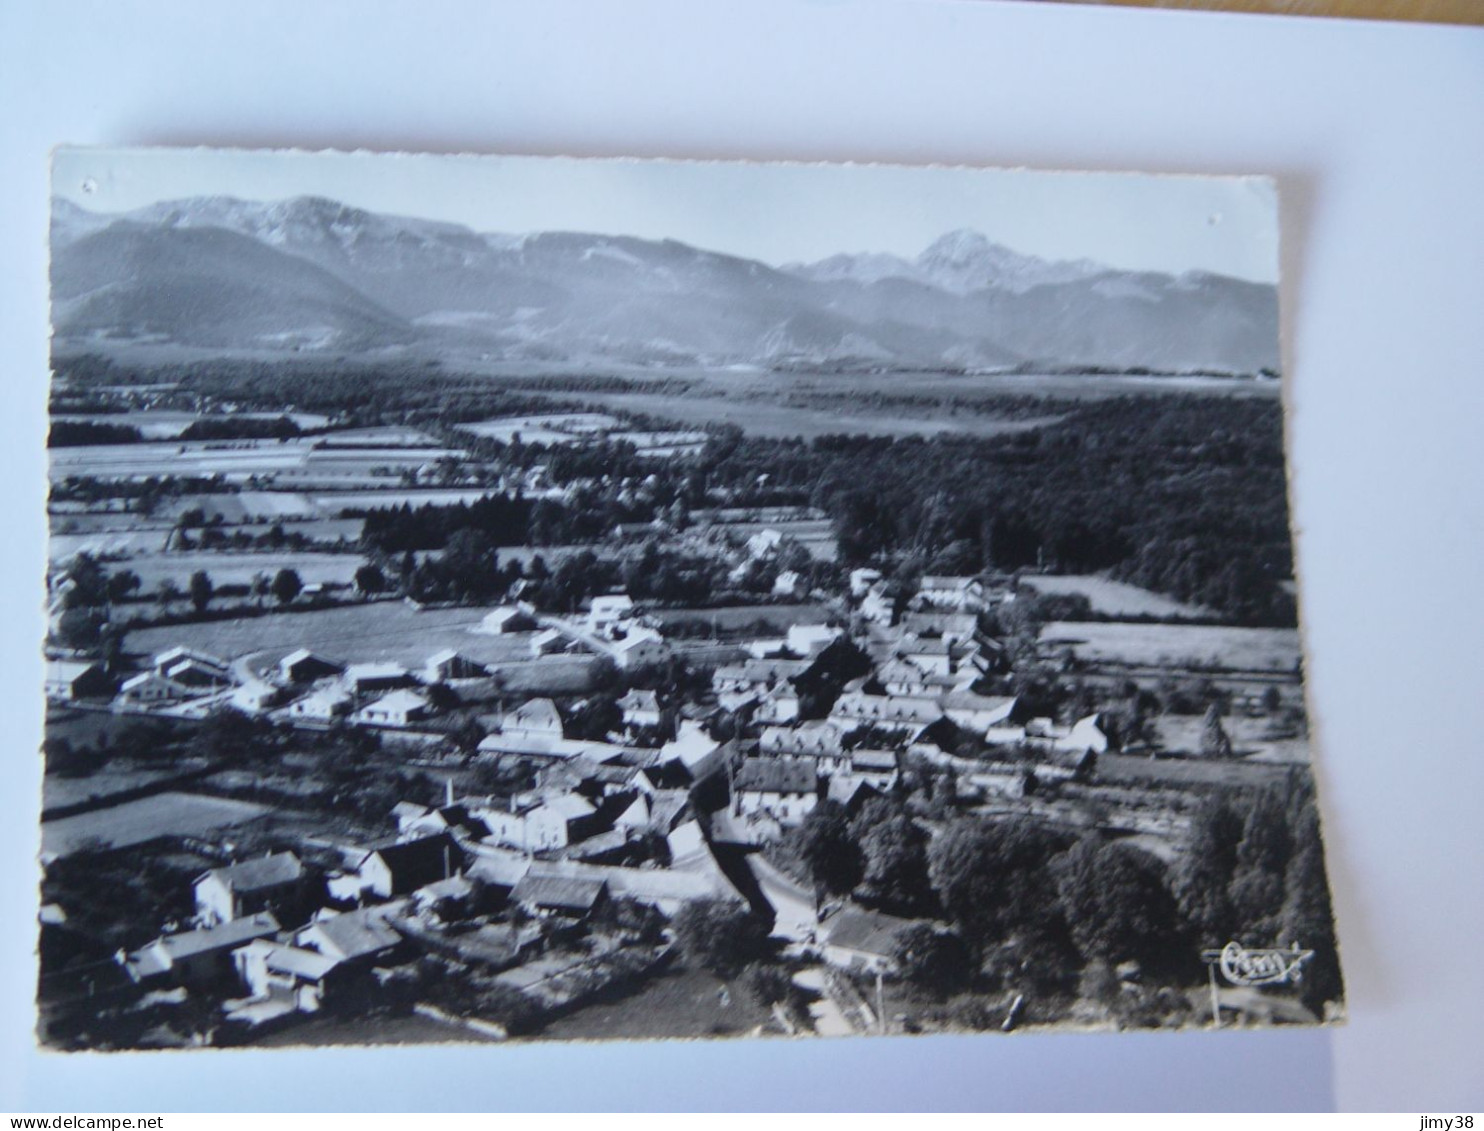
1177, 646
1113, 598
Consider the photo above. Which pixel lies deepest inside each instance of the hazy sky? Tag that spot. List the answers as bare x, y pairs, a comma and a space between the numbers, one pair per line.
776, 213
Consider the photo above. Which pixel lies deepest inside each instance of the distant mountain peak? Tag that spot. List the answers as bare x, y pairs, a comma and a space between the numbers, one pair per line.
959, 246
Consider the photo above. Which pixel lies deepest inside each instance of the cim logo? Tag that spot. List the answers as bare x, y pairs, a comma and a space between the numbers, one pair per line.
1243, 966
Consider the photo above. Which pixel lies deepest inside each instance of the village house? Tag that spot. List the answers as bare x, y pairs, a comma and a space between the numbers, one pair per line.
608, 612
147, 689
763, 544
861, 581
535, 718
777, 707
549, 895
541, 823
69, 680
414, 822
952, 628
548, 642
395, 709
399, 867
978, 712
935, 657
810, 739
877, 607
255, 697
899, 677
362, 937
266, 883
857, 709
190, 668
638, 647
694, 749
785, 790
323, 706
809, 640
877, 768
861, 941
960, 594
197, 957
789, 583
303, 666
640, 709
277, 972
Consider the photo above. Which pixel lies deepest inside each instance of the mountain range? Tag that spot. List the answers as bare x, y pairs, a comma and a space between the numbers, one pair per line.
310, 273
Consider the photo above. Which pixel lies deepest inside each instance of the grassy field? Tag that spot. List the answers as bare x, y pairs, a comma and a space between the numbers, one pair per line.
1113, 598
679, 1003
767, 417
384, 630
1181, 734
1178, 647
733, 617
413, 1029
134, 822
227, 568
1121, 769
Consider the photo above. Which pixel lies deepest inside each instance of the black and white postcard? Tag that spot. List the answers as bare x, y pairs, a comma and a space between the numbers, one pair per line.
502, 599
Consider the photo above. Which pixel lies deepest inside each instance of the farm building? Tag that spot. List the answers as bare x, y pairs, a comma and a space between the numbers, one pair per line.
67, 680
197, 957
303, 666
191, 668
548, 642
448, 664
368, 679
268, 883
506, 619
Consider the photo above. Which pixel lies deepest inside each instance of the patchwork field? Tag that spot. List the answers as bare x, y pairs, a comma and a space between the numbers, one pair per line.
384, 630
227, 568
134, 822
1176, 646
1113, 598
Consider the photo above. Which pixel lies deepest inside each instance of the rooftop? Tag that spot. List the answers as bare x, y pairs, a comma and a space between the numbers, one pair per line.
776, 775
259, 874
